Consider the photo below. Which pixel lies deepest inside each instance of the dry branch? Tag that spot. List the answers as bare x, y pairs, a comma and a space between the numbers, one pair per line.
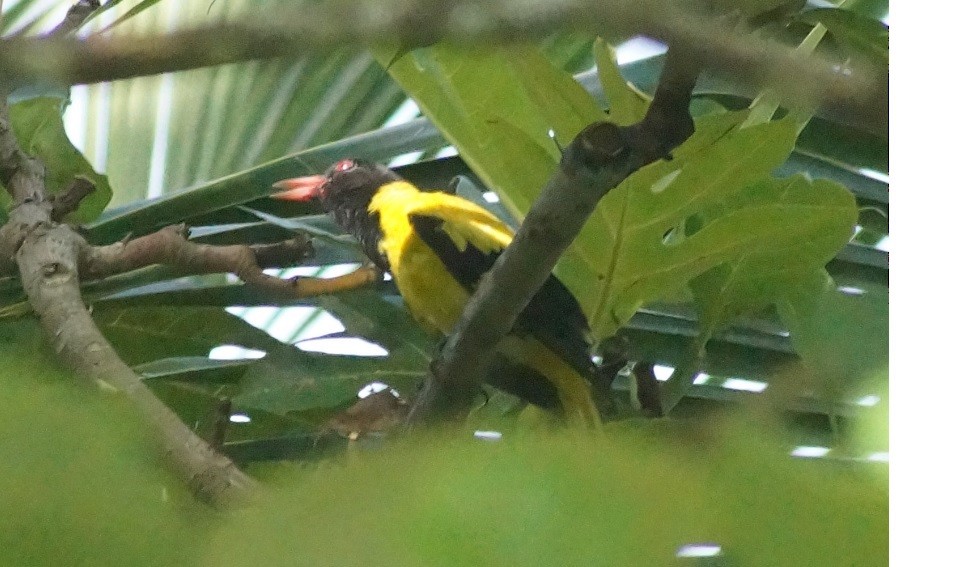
170, 246
47, 255
860, 95
67, 201
47, 260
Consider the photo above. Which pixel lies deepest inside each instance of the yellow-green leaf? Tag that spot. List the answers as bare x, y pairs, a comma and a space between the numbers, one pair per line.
627, 104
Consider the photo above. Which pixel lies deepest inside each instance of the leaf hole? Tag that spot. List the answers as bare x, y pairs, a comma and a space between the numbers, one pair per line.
673, 236
660, 185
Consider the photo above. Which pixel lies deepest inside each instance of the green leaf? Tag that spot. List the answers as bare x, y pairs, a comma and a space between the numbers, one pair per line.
627, 103
753, 8
876, 9
563, 103
856, 32
844, 146
634, 248
546, 500
239, 188
146, 334
368, 314
479, 107
813, 220
38, 124
288, 379
525, 166
70, 448
191, 368
837, 146
842, 335
143, 5
291, 380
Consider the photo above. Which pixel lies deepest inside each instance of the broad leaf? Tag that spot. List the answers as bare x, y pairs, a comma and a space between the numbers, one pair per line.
855, 32
636, 246
476, 97
641, 243
876, 9
841, 334
146, 334
38, 124
627, 103
799, 226
289, 380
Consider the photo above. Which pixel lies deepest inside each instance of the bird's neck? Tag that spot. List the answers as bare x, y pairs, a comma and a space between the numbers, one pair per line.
365, 227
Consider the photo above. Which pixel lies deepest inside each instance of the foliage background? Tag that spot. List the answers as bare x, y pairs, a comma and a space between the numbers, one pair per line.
87, 489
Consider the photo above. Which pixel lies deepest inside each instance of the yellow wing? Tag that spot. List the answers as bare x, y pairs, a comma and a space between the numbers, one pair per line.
438, 246
464, 221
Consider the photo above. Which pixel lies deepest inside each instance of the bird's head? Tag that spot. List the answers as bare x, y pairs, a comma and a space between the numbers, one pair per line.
347, 184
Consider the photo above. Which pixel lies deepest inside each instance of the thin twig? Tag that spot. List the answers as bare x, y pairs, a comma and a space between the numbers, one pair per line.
67, 201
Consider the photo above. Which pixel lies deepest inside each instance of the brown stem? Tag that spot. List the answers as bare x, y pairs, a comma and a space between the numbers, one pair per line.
170, 246
67, 201
648, 390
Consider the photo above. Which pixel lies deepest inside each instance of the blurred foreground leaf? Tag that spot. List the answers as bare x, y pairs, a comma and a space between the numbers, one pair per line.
631, 499
79, 482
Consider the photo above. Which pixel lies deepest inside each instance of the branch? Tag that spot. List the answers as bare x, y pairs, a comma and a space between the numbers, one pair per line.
170, 246
75, 17
67, 201
47, 256
861, 94
9, 242
598, 159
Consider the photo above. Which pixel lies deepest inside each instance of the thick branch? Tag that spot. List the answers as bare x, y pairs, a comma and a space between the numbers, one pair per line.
47, 260
47, 256
861, 94
598, 159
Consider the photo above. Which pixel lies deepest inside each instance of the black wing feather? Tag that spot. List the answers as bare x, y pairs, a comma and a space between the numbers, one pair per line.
553, 316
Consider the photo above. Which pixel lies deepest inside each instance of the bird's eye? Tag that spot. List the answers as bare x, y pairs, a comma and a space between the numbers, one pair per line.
344, 165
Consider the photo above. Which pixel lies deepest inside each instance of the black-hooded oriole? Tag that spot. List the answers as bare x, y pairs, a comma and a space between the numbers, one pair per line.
438, 246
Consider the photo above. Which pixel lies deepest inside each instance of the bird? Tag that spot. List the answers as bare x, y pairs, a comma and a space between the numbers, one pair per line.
438, 246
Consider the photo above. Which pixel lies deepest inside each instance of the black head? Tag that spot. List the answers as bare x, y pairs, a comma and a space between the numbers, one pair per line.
346, 186
345, 191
